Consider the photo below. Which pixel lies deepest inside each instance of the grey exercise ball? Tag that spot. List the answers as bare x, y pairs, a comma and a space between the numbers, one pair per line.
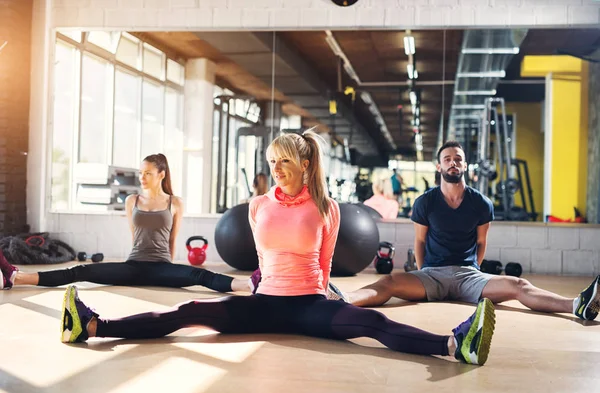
234, 240
357, 241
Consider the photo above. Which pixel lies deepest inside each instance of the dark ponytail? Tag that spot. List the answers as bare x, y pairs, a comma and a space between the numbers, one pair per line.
160, 162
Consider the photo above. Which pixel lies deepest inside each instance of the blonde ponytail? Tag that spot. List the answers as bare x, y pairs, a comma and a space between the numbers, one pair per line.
315, 177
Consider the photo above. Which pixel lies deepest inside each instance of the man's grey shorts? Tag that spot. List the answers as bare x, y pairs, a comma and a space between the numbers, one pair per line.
461, 283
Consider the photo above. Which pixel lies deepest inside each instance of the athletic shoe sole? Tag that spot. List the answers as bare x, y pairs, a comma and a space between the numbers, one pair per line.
593, 300
71, 324
480, 334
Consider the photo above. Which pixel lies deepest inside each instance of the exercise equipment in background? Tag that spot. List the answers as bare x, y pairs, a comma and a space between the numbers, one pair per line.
372, 212
384, 261
358, 241
196, 255
496, 173
495, 267
411, 262
234, 240
35, 249
97, 257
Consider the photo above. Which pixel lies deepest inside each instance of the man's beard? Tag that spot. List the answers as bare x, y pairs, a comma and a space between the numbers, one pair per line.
452, 178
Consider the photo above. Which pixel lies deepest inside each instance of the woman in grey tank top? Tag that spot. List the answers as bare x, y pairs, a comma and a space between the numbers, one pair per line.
154, 218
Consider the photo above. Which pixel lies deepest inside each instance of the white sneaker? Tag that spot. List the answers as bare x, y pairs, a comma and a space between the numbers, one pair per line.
334, 293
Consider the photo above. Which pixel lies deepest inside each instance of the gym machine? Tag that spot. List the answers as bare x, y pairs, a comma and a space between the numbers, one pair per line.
496, 173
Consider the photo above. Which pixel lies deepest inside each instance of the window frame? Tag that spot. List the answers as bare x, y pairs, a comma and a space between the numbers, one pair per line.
85, 47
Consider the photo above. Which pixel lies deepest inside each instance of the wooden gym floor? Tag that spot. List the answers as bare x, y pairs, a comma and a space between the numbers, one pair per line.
531, 352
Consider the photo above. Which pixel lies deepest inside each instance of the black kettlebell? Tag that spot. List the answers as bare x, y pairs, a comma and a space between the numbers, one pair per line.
81, 256
98, 257
384, 262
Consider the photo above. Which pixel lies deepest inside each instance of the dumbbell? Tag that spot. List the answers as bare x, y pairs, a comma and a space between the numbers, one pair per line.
411, 263
82, 256
495, 267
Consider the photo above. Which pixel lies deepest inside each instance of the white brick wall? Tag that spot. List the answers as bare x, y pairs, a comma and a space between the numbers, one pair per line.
563, 238
589, 238
546, 262
502, 236
519, 255
227, 14
109, 234
387, 232
578, 262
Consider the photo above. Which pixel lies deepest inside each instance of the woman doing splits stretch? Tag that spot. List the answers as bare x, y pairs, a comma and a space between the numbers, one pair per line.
295, 227
154, 218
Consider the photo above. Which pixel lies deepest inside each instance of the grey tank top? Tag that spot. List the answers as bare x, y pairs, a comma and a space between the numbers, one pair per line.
151, 233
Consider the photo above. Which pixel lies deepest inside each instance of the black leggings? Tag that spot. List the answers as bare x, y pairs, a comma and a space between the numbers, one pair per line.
310, 315
135, 273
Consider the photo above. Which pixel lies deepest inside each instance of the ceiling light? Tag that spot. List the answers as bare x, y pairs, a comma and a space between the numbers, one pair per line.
469, 106
490, 51
475, 92
409, 45
413, 98
487, 74
467, 116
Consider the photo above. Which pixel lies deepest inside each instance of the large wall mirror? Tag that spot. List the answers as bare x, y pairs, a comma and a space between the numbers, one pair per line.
522, 102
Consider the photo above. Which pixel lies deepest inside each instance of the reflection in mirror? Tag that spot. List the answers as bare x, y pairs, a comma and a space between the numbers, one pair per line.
523, 103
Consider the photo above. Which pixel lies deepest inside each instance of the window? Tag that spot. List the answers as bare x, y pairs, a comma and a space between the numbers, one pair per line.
174, 137
104, 40
126, 120
128, 51
75, 35
64, 119
94, 125
235, 113
112, 107
154, 62
152, 118
175, 72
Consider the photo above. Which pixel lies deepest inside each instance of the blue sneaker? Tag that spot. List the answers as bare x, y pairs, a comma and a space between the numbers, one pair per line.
587, 304
75, 317
474, 336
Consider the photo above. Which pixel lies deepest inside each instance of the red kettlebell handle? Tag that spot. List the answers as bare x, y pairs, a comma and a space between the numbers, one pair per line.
191, 239
29, 241
389, 245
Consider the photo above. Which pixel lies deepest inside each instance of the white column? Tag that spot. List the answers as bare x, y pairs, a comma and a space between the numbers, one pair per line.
198, 132
38, 177
547, 148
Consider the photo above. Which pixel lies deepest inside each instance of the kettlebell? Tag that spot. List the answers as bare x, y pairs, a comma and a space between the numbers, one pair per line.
384, 262
196, 255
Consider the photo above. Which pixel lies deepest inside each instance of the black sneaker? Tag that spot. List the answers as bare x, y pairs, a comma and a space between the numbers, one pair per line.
587, 303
